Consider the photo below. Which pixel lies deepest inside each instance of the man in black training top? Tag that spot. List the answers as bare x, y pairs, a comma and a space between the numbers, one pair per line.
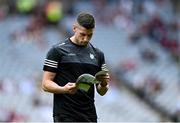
64, 63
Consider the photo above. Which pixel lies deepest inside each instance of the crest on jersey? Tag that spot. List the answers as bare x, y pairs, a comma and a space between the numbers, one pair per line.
91, 56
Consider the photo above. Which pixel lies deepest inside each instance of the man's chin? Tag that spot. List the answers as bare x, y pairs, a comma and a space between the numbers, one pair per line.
83, 44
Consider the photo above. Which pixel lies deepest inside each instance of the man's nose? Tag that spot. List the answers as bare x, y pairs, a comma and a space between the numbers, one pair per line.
86, 38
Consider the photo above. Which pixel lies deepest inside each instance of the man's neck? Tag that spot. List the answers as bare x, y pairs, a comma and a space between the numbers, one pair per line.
73, 40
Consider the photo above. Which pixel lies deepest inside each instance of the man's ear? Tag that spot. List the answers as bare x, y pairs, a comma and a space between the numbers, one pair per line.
74, 28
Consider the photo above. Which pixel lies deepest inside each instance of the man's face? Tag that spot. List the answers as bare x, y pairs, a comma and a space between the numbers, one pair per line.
82, 35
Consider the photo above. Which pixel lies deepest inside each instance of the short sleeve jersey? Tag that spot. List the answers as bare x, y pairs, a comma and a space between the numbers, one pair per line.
69, 61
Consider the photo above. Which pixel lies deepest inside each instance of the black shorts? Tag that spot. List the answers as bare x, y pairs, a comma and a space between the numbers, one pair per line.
64, 118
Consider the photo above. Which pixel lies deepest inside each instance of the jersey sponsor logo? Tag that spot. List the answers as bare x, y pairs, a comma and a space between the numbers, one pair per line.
51, 63
91, 56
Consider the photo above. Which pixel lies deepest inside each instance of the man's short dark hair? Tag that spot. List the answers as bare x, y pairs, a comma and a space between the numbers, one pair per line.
86, 20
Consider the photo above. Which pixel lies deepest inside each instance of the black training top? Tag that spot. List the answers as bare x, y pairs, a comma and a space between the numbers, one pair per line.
69, 61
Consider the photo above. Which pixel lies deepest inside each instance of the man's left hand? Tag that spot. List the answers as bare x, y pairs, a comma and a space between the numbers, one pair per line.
104, 79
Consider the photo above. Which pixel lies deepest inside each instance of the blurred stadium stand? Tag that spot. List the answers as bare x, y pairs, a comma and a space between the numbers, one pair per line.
141, 41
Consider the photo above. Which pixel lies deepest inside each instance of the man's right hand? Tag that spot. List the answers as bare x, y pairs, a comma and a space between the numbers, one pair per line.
70, 88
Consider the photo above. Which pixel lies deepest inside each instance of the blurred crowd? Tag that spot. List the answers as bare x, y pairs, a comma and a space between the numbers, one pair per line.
157, 21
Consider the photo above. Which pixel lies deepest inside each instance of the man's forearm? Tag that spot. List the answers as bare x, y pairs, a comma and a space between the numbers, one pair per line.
52, 87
